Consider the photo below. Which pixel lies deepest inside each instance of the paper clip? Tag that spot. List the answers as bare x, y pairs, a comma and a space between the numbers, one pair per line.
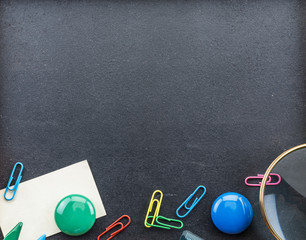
158, 204
195, 202
260, 177
14, 187
114, 224
164, 225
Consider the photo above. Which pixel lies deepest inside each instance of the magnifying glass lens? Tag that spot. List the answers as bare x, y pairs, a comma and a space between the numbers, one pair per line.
285, 203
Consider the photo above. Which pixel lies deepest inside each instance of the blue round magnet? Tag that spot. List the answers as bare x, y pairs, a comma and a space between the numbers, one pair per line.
232, 213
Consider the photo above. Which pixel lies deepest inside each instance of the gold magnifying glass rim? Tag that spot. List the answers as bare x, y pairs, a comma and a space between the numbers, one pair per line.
263, 186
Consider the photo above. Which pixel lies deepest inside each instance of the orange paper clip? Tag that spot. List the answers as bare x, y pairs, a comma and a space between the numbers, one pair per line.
114, 224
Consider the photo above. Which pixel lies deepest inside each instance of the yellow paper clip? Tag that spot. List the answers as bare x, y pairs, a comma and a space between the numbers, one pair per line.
158, 204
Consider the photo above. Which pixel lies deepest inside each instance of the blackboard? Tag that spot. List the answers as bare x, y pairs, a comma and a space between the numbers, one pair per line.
155, 95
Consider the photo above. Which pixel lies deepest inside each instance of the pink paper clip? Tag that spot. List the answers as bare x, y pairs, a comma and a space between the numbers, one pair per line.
260, 177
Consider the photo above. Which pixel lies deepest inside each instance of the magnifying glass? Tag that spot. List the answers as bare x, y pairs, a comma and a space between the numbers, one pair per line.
283, 206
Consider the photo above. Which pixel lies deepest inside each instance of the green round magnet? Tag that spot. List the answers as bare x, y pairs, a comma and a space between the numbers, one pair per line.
75, 215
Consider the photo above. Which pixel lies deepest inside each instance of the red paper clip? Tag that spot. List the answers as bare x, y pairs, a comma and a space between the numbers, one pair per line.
114, 224
260, 176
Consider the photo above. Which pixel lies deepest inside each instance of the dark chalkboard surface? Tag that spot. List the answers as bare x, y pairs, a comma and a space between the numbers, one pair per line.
162, 95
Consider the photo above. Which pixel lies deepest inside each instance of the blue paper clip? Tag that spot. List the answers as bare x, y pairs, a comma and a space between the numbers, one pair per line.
195, 202
13, 188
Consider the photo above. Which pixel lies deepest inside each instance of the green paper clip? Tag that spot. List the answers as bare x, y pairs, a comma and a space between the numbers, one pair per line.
164, 225
14, 233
